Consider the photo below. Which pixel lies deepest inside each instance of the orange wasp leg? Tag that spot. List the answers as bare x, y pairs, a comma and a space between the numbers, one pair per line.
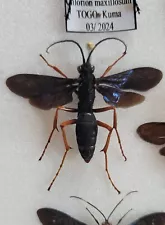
114, 125
110, 67
53, 67
67, 148
55, 126
101, 124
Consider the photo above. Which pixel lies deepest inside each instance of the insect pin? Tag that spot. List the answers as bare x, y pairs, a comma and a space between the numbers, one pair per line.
90, 46
50, 216
153, 132
46, 92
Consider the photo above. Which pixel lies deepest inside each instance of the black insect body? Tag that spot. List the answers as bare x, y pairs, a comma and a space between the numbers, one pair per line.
86, 125
47, 92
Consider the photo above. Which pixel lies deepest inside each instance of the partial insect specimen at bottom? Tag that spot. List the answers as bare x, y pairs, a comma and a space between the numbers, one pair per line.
46, 92
50, 216
153, 132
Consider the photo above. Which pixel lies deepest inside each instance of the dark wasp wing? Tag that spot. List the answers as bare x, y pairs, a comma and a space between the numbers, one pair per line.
49, 216
44, 92
153, 132
116, 97
151, 219
139, 79
162, 151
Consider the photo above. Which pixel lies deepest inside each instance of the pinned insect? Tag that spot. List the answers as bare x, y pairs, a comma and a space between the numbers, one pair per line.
46, 92
49, 216
154, 133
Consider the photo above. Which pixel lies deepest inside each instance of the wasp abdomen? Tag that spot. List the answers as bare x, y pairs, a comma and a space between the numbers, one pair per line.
86, 132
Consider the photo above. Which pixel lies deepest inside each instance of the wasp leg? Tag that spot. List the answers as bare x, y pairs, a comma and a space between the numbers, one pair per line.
123, 217
53, 67
67, 147
101, 124
55, 126
110, 67
114, 125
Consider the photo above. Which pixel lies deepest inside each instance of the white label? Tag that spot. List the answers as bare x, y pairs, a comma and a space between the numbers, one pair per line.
100, 16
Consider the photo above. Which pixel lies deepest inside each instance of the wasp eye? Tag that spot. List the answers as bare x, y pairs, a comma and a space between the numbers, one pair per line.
92, 67
79, 68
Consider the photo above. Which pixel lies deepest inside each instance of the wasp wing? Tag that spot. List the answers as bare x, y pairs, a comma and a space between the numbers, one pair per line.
49, 216
44, 92
118, 98
151, 219
139, 79
162, 151
129, 99
152, 132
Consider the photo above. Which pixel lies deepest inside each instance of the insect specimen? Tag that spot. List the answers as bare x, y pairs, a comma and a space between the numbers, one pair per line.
48, 92
154, 133
50, 216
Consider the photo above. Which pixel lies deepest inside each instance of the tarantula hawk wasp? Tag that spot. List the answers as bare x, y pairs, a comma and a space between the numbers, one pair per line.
46, 92
68, 3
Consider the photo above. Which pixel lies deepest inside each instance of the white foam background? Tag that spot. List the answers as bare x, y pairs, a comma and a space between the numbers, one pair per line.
27, 27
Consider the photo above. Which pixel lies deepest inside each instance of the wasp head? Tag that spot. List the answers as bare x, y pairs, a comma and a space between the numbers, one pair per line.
86, 68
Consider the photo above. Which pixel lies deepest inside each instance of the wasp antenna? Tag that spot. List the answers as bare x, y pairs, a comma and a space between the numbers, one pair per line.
90, 205
123, 216
106, 39
93, 216
120, 203
72, 41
